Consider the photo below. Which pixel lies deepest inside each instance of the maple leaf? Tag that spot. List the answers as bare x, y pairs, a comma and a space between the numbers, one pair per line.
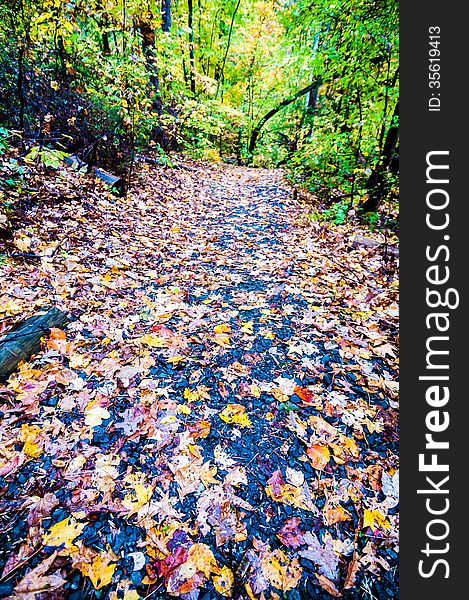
57, 340
323, 555
307, 396
280, 572
153, 340
235, 413
138, 497
319, 456
374, 519
100, 571
248, 327
62, 535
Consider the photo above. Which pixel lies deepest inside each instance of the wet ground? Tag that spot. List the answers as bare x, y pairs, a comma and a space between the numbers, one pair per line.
222, 415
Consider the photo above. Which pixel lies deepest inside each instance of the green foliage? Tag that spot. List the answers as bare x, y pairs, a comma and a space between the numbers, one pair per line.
45, 156
372, 218
337, 213
82, 72
4, 137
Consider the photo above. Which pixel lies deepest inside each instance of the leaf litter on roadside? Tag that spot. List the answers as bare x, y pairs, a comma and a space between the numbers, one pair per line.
221, 413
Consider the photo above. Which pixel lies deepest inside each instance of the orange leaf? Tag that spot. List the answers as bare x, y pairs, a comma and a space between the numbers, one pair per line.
327, 585
319, 456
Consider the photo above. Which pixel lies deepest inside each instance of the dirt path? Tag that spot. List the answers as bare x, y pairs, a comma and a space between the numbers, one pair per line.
221, 417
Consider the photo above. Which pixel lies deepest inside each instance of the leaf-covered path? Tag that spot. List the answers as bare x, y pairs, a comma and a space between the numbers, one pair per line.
221, 416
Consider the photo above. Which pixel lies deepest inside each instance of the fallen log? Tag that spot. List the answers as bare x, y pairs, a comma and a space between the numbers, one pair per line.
113, 181
24, 339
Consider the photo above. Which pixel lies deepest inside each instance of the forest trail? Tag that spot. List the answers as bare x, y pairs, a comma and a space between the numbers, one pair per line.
221, 414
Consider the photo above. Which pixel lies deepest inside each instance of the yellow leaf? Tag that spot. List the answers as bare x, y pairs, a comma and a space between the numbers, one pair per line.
374, 519
191, 395
235, 413
248, 327
64, 533
32, 450
201, 557
23, 243
175, 359
100, 571
255, 390
153, 340
77, 361
280, 572
223, 328
29, 435
224, 582
137, 497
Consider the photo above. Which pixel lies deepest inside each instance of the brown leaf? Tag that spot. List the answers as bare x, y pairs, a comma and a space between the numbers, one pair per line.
353, 568
327, 585
36, 580
290, 534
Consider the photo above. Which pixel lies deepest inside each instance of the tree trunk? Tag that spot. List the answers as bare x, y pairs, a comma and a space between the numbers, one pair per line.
222, 70
19, 84
257, 129
166, 15
24, 339
376, 183
148, 48
191, 46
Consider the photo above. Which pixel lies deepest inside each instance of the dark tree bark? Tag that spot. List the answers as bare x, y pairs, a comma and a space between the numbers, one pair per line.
190, 23
376, 183
19, 86
222, 70
148, 47
166, 15
105, 38
257, 129
24, 340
